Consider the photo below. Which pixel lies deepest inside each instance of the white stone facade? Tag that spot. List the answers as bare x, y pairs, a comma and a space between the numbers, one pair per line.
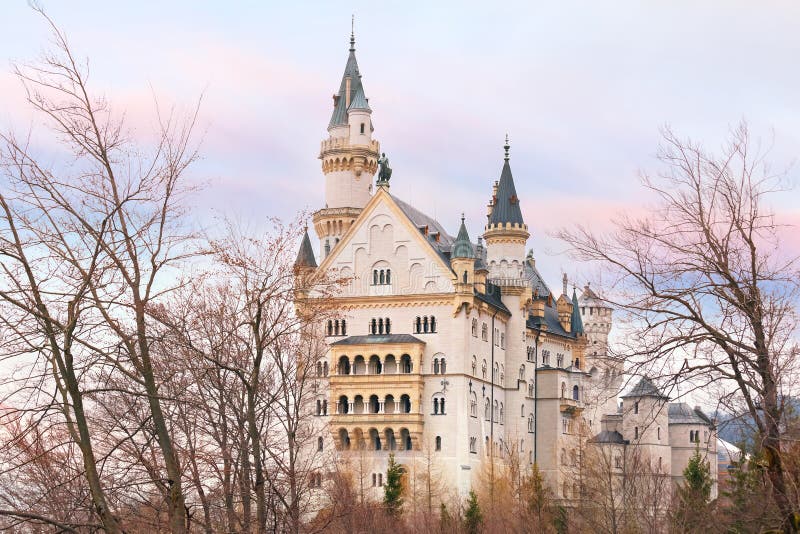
462, 357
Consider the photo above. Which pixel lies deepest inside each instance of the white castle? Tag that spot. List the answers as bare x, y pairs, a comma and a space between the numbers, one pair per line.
459, 349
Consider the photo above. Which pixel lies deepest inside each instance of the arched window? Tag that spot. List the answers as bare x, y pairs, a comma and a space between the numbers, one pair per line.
388, 276
530, 424
443, 366
464, 277
344, 365
320, 443
636, 407
343, 406
324, 368
438, 404
418, 325
438, 443
433, 323
319, 407
485, 332
325, 407
496, 372
522, 372
425, 324
495, 411
502, 341
574, 392
577, 363
502, 414
474, 365
563, 390
382, 277
388, 326
373, 327
330, 327
319, 368
405, 364
336, 327
405, 404
436, 366
344, 327
530, 389
362, 127
486, 410
522, 411
375, 365
375, 277
484, 369
473, 404
474, 328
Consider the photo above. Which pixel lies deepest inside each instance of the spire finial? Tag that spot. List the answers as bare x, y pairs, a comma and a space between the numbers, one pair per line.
352, 33
462, 216
506, 147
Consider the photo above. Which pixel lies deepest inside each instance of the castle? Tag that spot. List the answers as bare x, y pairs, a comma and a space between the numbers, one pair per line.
458, 348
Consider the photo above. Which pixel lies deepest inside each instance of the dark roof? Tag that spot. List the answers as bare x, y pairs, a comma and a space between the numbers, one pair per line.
645, 388
462, 247
550, 320
576, 323
538, 287
305, 256
492, 297
682, 413
360, 101
420, 220
506, 204
609, 436
339, 116
379, 339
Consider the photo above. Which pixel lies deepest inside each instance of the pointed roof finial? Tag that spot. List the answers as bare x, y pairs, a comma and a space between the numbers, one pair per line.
352, 33
506, 147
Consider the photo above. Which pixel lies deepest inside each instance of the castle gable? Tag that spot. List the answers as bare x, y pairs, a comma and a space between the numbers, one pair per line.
386, 252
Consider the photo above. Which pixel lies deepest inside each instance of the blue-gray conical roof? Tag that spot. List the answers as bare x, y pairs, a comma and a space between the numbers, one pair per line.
506, 204
305, 256
339, 116
462, 248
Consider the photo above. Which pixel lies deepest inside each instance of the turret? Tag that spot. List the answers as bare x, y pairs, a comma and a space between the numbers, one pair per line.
349, 157
506, 233
462, 261
304, 267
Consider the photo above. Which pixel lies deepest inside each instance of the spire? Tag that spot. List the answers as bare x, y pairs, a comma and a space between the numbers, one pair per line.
505, 208
462, 247
352, 33
576, 322
305, 256
348, 89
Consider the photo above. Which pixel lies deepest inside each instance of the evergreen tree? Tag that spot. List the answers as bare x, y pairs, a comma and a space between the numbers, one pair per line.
393, 489
473, 518
692, 512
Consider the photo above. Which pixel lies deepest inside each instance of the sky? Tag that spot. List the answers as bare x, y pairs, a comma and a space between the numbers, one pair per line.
581, 88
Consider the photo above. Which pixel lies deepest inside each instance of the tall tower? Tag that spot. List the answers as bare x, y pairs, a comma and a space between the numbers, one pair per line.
506, 233
349, 158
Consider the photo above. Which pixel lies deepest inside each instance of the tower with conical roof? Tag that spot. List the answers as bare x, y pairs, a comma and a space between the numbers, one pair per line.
506, 232
349, 157
462, 260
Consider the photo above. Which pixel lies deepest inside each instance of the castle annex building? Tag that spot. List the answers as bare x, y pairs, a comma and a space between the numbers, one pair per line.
457, 347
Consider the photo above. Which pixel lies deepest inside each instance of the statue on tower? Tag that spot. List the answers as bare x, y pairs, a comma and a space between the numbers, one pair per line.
385, 171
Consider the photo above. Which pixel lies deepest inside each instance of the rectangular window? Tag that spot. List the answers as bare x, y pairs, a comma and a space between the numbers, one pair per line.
362, 127
636, 432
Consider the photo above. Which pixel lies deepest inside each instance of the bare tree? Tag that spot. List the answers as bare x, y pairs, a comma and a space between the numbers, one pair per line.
86, 253
709, 291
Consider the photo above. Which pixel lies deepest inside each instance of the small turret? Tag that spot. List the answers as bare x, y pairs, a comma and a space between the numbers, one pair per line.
305, 256
462, 260
576, 322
